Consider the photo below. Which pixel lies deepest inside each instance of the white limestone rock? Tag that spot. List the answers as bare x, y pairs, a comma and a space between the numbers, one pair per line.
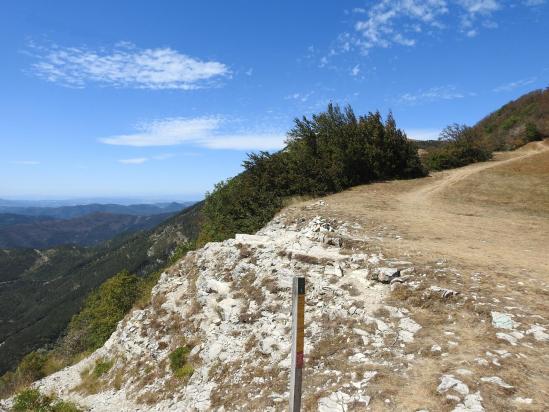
503, 321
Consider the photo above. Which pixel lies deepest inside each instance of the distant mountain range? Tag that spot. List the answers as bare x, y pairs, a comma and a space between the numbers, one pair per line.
9, 219
70, 212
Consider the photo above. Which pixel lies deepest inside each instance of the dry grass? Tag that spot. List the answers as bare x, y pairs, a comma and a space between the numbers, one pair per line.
94, 379
259, 380
246, 289
519, 187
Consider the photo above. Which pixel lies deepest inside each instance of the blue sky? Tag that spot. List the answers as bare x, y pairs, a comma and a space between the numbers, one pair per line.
164, 99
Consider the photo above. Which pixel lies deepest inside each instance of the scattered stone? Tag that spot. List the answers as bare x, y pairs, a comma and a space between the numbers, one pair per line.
505, 336
443, 292
385, 275
472, 403
496, 380
400, 279
436, 348
503, 321
539, 333
408, 328
526, 401
448, 382
339, 401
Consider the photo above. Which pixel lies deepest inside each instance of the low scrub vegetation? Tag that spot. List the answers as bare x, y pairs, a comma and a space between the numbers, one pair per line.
179, 362
31, 400
330, 152
461, 146
102, 311
91, 381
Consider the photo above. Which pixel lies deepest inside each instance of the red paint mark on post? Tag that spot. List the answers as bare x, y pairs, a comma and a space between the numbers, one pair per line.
299, 360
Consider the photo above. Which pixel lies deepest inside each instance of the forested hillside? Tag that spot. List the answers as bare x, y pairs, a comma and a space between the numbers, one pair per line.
517, 123
84, 230
40, 290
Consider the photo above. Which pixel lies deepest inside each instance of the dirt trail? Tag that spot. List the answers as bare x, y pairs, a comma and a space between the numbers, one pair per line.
429, 217
483, 235
451, 177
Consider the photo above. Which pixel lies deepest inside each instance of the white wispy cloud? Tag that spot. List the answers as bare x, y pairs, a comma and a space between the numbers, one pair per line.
479, 6
389, 23
507, 87
302, 97
163, 156
355, 71
25, 162
124, 66
167, 132
133, 161
432, 94
393, 22
201, 131
423, 134
473, 10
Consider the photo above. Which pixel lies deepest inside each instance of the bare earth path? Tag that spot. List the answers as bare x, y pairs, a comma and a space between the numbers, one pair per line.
431, 217
482, 231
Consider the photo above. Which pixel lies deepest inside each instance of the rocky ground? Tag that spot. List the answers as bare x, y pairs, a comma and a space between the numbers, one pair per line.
382, 332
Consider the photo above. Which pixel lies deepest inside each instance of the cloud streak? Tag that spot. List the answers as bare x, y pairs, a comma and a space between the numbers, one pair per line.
125, 66
133, 161
200, 131
507, 87
433, 94
25, 162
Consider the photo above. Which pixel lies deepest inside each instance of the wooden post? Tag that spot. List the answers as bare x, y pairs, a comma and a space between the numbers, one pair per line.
298, 338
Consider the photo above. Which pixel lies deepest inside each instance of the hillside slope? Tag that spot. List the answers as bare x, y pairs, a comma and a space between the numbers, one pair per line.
8, 219
507, 127
463, 327
40, 290
85, 230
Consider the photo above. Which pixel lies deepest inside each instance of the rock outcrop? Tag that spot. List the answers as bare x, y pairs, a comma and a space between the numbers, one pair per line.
229, 304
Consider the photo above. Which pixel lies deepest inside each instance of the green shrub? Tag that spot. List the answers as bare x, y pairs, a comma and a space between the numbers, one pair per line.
32, 365
101, 367
31, 400
178, 362
102, 311
180, 251
461, 147
532, 133
510, 122
184, 372
330, 152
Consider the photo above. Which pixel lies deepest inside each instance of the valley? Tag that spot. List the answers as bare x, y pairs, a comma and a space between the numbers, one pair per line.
40, 290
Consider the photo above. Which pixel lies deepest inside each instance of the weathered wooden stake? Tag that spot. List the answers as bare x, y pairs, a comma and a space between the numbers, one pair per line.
298, 337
